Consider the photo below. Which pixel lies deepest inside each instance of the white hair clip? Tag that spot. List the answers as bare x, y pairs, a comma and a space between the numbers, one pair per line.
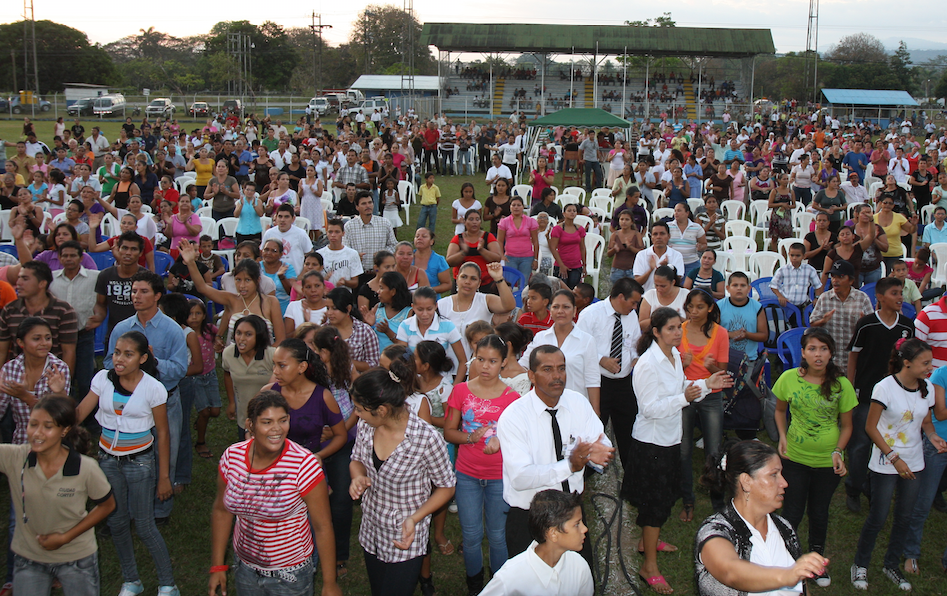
394, 377
723, 462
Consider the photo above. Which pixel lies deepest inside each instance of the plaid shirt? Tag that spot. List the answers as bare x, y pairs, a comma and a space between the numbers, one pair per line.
60, 315
794, 283
363, 343
402, 484
369, 238
14, 371
842, 324
355, 174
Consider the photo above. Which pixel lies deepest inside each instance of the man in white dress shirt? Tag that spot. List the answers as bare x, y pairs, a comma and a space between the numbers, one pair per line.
548, 435
659, 253
605, 320
551, 565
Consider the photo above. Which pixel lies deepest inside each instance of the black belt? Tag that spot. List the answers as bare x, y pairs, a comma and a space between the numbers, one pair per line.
130, 456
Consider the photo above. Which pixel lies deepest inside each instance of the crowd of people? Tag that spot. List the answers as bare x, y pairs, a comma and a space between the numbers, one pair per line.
360, 368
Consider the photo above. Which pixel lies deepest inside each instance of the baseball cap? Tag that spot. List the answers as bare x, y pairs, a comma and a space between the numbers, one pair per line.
842, 268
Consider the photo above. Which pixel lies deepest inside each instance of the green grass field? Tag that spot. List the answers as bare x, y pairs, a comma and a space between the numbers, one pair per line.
188, 534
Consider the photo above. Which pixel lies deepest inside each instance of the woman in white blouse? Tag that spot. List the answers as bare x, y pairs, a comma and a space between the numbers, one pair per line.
653, 477
666, 292
582, 372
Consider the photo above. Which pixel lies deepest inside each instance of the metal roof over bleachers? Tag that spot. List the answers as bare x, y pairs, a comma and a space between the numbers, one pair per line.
869, 97
600, 39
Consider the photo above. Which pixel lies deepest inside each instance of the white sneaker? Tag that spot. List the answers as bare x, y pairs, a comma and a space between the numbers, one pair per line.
452, 507
700, 443
131, 589
898, 579
823, 581
169, 591
859, 577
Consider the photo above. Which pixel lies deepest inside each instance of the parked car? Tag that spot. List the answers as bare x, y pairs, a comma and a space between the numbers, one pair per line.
41, 104
233, 105
109, 105
200, 109
369, 106
160, 107
319, 105
82, 107
4, 104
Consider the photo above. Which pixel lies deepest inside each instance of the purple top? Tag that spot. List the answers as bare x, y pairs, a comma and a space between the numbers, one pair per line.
305, 424
51, 258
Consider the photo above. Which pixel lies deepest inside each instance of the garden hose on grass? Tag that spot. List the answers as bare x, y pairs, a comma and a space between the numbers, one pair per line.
607, 536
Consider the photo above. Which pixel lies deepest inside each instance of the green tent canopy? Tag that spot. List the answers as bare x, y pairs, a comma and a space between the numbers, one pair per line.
582, 117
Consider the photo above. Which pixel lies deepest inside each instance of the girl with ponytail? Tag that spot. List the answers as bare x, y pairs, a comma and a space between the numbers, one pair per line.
820, 399
900, 411
55, 538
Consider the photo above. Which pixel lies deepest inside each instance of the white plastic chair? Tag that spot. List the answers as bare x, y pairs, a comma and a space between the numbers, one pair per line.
583, 221
722, 262
939, 253
576, 191
146, 209
927, 214
229, 224
206, 212
109, 225
873, 189
266, 222
209, 228
801, 222
764, 264
605, 203
659, 197
408, 197
694, 204
733, 210
594, 249
739, 249
601, 192
782, 247
661, 213
738, 227
523, 191
303, 223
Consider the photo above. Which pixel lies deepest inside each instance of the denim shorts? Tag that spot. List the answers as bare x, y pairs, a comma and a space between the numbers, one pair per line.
206, 391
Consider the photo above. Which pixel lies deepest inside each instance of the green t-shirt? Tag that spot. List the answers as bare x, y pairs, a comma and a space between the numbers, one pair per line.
814, 430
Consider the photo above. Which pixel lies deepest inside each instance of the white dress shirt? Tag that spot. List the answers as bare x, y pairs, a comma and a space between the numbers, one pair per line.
855, 194
598, 320
643, 264
659, 386
582, 370
528, 575
529, 453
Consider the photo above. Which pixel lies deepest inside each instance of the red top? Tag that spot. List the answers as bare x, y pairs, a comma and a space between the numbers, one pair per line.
474, 257
474, 413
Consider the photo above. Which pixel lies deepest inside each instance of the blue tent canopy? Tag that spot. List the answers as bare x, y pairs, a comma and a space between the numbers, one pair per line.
869, 97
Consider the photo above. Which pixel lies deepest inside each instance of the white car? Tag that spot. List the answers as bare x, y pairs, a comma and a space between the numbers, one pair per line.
319, 105
368, 107
160, 107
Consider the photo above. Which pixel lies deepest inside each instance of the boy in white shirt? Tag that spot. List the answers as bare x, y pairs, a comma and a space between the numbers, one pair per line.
341, 264
295, 240
552, 564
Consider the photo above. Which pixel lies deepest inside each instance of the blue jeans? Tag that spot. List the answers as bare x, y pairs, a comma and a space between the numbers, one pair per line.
870, 277
184, 462
427, 215
934, 466
175, 424
617, 274
78, 578
134, 482
573, 276
689, 266
249, 583
522, 264
710, 412
883, 487
376, 197
481, 502
803, 195
463, 162
859, 450
447, 157
590, 168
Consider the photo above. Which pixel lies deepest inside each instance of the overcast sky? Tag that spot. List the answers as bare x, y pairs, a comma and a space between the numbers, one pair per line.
787, 19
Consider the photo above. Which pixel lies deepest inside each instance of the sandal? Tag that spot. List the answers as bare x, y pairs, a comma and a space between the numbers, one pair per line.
446, 549
7, 589
205, 452
663, 547
910, 566
340, 570
687, 513
658, 584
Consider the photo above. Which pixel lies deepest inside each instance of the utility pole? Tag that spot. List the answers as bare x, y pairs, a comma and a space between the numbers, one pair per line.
317, 72
812, 49
30, 38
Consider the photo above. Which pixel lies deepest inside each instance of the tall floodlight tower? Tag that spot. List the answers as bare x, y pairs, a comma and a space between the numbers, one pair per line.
812, 50
29, 49
407, 53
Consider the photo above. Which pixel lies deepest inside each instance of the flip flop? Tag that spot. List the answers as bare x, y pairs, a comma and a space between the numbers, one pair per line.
658, 580
663, 547
205, 453
687, 513
446, 549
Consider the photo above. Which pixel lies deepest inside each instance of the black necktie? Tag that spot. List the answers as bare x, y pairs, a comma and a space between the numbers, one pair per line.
557, 441
617, 340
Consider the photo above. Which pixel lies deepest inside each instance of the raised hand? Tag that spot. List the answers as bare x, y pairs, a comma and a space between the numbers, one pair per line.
56, 380
187, 251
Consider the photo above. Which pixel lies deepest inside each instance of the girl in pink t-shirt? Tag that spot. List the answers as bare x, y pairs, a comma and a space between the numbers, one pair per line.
473, 410
567, 245
518, 236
